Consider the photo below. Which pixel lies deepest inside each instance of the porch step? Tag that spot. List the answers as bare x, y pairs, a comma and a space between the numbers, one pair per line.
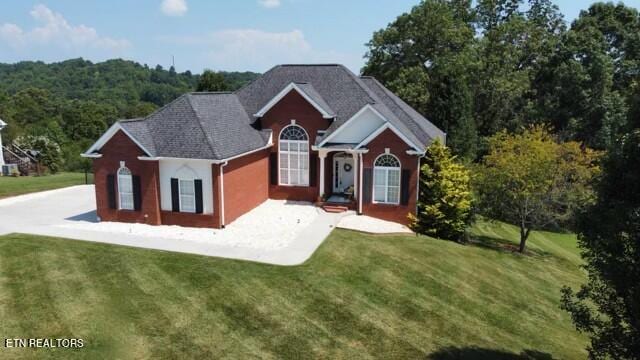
334, 208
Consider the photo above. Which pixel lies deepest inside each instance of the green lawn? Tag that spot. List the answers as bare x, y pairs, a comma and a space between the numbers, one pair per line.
359, 296
11, 186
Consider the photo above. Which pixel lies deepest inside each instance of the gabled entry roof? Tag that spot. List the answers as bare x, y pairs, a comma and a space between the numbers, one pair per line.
220, 125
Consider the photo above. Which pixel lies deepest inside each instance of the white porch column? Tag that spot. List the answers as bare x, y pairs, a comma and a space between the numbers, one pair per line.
356, 166
2, 125
360, 167
322, 155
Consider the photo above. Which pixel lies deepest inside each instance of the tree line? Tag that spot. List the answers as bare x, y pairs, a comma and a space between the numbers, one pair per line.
71, 103
503, 64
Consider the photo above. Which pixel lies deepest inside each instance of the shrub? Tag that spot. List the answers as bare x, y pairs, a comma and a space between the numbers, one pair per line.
445, 200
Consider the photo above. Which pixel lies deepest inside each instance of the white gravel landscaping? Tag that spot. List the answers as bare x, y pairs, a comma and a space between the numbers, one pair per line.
274, 224
372, 225
276, 232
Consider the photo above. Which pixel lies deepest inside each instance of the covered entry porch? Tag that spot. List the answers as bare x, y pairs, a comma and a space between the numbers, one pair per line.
341, 176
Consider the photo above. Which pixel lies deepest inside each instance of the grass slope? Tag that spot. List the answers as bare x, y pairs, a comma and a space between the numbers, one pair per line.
11, 186
359, 296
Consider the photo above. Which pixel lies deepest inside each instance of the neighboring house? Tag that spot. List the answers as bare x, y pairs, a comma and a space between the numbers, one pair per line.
299, 132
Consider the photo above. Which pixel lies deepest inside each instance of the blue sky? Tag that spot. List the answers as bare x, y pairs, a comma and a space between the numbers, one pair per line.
221, 35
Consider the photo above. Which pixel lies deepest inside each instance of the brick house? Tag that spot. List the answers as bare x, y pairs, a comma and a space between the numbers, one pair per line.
315, 133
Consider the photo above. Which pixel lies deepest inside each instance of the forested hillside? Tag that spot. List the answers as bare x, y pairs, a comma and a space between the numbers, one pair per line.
74, 101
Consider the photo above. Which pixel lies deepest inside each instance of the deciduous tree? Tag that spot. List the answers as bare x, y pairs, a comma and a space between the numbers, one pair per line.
532, 181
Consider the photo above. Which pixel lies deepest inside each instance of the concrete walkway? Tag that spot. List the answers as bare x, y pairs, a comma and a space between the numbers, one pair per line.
58, 213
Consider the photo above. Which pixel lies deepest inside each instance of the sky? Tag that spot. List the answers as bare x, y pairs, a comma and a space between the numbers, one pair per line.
235, 35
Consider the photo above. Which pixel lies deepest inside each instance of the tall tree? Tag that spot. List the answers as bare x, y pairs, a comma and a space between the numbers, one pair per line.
513, 48
586, 89
607, 307
426, 57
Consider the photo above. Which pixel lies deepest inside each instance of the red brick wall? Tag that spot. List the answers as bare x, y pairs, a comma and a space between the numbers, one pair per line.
294, 106
189, 219
246, 184
121, 148
397, 147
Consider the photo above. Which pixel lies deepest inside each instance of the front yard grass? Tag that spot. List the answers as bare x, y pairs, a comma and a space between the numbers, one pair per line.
11, 186
359, 296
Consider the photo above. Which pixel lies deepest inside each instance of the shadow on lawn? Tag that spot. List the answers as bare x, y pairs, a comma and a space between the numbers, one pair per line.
89, 216
472, 353
502, 245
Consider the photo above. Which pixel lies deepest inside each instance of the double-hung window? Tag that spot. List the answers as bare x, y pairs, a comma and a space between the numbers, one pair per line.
293, 152
386, 179
125, 189
187, 193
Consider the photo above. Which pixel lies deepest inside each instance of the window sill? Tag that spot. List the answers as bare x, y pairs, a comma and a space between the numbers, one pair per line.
386, 203
294, 186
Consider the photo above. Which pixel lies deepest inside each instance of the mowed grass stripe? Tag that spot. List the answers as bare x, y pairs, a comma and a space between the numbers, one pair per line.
359, 296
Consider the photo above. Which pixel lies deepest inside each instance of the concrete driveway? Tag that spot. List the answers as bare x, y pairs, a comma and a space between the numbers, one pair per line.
70, 213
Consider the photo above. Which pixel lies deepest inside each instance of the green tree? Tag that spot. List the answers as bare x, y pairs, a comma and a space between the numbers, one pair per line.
513, 48
607, 307
532, 181
586, 88
426, 57
444, 200
212, 81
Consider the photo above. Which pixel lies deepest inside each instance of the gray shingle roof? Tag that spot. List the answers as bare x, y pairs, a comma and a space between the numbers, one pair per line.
313, 95
200, 126
219, 125
139, 130
417, 123
334, 83
345, 93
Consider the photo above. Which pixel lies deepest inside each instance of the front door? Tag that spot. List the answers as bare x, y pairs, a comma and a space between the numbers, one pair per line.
342, 172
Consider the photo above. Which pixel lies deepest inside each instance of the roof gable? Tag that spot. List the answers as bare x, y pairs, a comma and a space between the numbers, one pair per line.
110, 133
307, 92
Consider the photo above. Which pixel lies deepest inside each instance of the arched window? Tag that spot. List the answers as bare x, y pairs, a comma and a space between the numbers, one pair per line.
293, 149
386, 179
125, 189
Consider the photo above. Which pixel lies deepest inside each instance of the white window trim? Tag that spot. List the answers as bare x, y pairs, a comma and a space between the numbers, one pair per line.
120, 193
180, 195
280, 183
386, 181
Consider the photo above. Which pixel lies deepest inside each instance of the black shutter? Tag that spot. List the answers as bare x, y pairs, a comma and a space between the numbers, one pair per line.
137, 193
313, 172
273, 168
175, 195
367, 183
198, 186
111, 190
404, 187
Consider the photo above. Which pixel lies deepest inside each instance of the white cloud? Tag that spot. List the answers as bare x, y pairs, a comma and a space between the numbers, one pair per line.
269, 4
259, 50
55, 30
174, 7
